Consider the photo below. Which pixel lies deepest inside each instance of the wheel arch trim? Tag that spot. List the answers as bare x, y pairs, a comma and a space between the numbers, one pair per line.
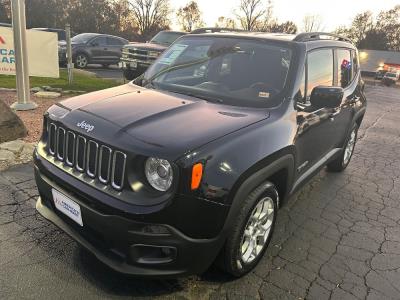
242, 188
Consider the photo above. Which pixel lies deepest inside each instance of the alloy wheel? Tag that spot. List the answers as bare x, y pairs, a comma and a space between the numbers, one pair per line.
81, 61
257, 230
348, 151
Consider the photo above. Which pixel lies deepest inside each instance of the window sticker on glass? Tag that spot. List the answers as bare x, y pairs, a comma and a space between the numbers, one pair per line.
263, 94
172, 54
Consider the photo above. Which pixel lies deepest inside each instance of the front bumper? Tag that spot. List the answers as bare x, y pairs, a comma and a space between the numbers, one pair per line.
130, 245
133, 64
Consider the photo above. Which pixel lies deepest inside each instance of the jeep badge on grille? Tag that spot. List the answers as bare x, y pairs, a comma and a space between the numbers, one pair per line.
85, 126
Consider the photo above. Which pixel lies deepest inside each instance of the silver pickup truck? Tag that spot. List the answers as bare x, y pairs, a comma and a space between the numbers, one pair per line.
137, 57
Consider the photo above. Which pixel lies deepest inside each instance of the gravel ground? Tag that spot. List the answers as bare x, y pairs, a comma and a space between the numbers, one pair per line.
337, 238
31, 118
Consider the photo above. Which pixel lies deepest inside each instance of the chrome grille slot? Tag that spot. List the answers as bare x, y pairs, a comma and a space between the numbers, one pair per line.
118, 170
80, 153
51, 144
105, 164
97, 161
60, 143
69, 149
92, 154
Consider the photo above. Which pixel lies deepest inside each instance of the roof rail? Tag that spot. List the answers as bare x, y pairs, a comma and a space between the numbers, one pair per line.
215, 29
313, 36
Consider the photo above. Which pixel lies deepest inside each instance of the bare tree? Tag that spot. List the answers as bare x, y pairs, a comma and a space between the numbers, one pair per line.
224, 22
285, 27
312, 23
250, 13
189, 16
151, 15
389, 23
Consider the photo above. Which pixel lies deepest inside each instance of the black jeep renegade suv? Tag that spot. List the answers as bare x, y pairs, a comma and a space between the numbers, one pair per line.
189, 164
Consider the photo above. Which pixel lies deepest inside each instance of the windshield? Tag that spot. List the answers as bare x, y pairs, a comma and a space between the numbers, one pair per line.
165, 37
82, 38
242, 72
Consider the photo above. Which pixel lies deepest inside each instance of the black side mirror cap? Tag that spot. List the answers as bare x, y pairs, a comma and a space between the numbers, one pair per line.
326, 96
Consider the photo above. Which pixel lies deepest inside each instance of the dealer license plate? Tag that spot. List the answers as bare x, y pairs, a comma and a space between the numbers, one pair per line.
67, 206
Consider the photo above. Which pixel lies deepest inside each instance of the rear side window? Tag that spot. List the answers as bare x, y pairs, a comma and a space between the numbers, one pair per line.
344, 67
319, 69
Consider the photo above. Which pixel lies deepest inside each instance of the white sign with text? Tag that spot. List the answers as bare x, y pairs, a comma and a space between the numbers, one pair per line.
42, 53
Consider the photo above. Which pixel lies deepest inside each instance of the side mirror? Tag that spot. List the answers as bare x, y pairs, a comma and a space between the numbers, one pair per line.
94, 44
326, 96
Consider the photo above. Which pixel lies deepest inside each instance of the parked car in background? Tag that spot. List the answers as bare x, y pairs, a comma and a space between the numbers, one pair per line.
137, 57
390, 78
94, 48
379, 74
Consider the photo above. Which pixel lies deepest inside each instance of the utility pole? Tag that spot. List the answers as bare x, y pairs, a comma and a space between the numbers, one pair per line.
21, 56
70, 65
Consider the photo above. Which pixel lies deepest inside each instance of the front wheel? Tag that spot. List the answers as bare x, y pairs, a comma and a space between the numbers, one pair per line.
252, 232
341, 163
81, 61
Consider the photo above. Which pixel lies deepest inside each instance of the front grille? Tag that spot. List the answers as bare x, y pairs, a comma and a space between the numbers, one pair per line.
87, 156
140, 55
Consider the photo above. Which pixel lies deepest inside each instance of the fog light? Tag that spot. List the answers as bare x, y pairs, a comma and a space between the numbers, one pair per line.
149, 254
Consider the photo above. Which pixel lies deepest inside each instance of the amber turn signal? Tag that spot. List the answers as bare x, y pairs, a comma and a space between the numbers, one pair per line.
197, 173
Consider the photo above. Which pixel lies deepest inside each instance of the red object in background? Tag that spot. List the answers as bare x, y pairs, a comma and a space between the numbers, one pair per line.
390, 67
2, 41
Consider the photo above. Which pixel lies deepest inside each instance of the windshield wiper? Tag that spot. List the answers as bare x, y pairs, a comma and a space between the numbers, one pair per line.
201, 96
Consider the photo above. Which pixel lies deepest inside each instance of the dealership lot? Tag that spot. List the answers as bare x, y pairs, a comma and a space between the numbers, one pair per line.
338, 238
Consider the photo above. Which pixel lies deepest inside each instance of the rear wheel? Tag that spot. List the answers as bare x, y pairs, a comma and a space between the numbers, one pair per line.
252, 232
341, 163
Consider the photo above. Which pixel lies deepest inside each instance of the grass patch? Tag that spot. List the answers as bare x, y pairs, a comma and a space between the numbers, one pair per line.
82, 82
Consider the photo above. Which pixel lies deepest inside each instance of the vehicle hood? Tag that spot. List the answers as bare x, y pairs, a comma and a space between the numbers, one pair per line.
146, 46
168, 124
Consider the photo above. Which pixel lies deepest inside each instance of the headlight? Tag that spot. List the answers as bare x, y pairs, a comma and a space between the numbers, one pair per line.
159, 173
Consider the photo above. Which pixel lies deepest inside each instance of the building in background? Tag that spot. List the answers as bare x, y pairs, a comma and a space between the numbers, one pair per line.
372, 61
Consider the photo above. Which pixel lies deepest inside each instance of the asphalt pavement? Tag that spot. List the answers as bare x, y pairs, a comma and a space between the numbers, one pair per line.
337, 238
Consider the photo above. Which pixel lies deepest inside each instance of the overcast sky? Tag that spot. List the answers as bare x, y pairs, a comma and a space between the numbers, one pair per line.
333, 12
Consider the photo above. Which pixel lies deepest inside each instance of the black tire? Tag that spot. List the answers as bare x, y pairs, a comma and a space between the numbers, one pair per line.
341, 162
131, 74
230, 258
81, 60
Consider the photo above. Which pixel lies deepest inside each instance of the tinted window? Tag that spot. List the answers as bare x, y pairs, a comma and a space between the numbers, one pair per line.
114, 41
82, 38
344, 67
165, 37
100, 41
320, 69
236, 71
